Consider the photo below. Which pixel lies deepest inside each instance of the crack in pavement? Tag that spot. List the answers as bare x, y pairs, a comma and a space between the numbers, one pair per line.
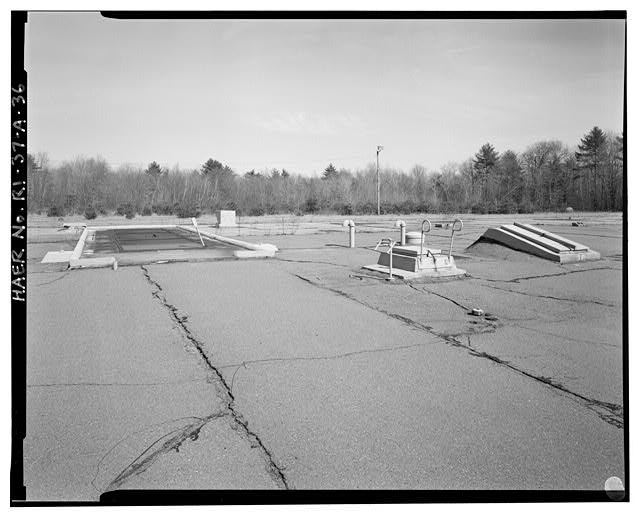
170, 441
609, 412
244, 363
478, 325
53, 271
426, 291
484, 323
525, 278
274, 470
564, 337
579, 301
95, 384
54, 280
312, 262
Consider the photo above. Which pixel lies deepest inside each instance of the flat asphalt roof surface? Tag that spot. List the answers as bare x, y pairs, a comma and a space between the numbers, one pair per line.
306, 372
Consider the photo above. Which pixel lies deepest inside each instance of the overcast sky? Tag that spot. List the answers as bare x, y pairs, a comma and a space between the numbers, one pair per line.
300, 94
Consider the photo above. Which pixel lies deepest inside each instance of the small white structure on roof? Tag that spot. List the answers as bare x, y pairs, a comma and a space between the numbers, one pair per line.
413, 260
226, 218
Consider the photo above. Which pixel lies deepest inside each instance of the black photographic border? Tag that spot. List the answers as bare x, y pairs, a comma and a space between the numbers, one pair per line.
259, 497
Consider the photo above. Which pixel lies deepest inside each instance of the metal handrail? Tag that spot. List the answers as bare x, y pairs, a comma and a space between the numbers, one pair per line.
456, 226
390, 243
453, 230
385, 242
422, 232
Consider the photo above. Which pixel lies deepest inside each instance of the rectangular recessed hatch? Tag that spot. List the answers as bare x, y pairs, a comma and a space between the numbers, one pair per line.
127, 240
107, 246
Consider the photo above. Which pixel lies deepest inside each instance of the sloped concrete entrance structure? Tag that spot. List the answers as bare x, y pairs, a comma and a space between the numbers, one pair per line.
543, 244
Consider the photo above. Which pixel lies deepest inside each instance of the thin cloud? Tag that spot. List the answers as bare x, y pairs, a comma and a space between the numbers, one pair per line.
310, 124
464, 49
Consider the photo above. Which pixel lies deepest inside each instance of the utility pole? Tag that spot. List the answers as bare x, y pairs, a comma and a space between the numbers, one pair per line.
380, 148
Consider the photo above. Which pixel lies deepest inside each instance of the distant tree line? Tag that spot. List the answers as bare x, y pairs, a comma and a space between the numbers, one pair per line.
547, 176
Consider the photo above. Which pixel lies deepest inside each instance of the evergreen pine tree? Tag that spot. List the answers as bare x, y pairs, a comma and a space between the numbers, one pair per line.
483, 163
590, 157
329, 173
